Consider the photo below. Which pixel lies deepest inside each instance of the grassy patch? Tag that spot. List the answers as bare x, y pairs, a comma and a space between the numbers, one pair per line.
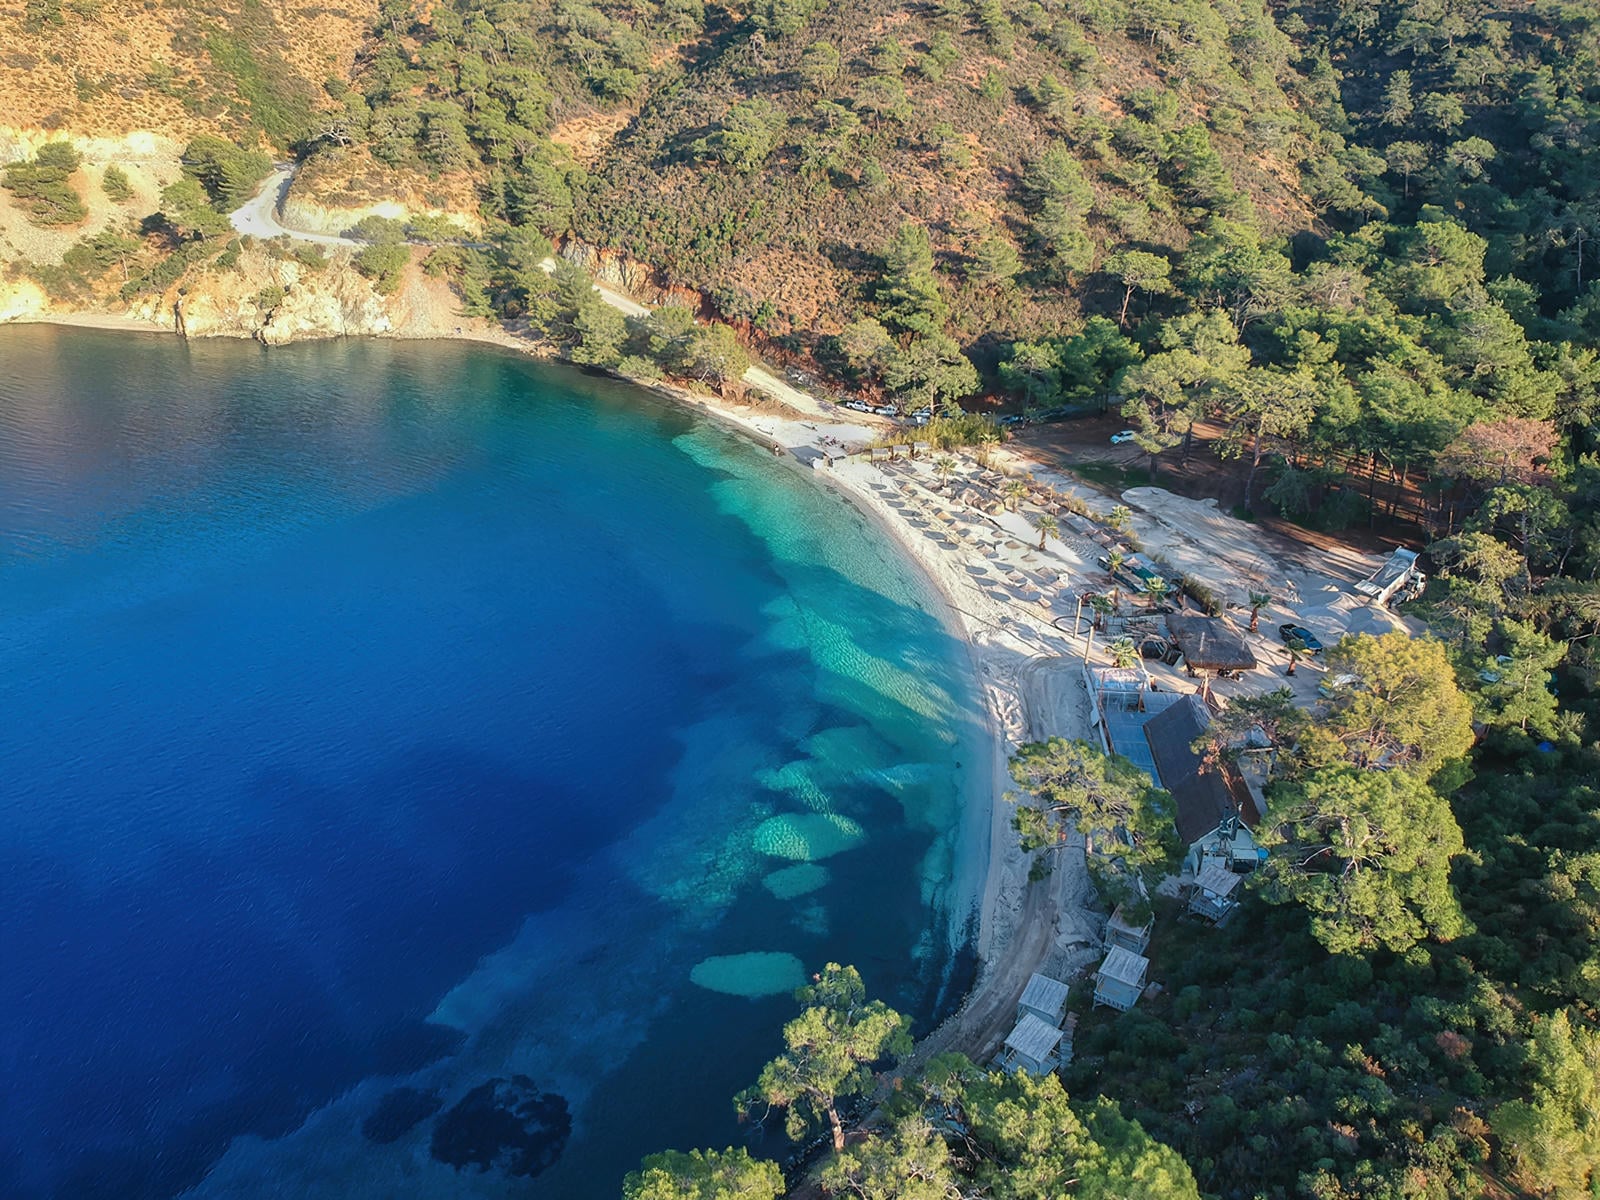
1117, 477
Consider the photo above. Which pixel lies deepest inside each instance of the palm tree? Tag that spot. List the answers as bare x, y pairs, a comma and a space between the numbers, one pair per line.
1156, 588
1123, 653
944, 467
1103, 608
1296, 649
1015, 490
1258, 601
1114, 561
1119, 517
988, 437
1047, 526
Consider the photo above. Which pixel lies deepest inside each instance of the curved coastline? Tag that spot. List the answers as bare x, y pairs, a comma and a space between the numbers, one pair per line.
1025, 669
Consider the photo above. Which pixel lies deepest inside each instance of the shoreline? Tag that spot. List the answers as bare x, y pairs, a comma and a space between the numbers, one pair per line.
1008, 638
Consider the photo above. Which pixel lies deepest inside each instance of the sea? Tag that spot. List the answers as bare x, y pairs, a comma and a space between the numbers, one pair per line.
426, 772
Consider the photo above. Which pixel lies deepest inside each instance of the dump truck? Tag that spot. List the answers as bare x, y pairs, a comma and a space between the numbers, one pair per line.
1399, 577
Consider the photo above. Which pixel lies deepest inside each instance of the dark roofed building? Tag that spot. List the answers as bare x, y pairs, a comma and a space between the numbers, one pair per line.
1203, 799
1210, 643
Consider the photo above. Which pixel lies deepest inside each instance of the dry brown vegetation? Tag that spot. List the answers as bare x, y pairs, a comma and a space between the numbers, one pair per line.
110, 67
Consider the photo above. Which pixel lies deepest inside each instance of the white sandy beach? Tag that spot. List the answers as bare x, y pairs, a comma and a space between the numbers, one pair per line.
1003, 596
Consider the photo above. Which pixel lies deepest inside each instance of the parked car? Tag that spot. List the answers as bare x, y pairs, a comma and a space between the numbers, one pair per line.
1299, 633
887, 410
1127, 435
1495, 673
1010, 419
925, 412
858, 405
1331, 684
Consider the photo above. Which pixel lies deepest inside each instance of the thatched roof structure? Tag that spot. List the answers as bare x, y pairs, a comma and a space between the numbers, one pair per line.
1124, 966
1217, 880
1203, 799
1210, 643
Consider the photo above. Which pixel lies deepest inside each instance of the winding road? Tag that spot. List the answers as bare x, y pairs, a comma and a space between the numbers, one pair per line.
258, 216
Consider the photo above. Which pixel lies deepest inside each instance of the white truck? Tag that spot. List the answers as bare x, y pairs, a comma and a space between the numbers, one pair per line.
1397, 577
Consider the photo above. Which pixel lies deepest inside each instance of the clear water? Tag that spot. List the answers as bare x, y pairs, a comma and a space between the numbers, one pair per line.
381, 714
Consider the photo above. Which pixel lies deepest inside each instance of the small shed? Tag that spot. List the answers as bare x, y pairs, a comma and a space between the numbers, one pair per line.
919, 448
880, 454
1120, 980
1214, 896
1210, 644
900, 448
1122, 932
1045, 998
1031, 1047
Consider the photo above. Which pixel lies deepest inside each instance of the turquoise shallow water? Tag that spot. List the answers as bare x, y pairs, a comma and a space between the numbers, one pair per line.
393, 716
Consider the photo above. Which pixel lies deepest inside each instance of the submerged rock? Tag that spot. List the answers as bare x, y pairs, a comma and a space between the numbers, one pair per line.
807, 837
505, 1124
794, 881
763, 973
398, 1113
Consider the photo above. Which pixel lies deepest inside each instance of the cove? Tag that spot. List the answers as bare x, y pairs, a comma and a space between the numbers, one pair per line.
391, 731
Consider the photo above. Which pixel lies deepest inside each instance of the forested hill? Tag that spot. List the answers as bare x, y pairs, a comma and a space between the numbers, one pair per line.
1389, 204
1129, 159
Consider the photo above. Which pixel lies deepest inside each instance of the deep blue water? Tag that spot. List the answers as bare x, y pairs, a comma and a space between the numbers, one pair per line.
379, 714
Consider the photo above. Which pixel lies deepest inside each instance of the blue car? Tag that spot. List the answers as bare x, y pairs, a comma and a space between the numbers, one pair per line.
1292, 633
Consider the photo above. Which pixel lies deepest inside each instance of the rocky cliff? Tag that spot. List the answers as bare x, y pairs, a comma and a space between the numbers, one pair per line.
267, 296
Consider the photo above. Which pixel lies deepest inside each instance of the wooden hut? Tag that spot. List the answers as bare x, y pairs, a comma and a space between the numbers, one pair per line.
1122, 932
1211, 646
1031, 1047
1045, 998
1215, 893
1120, 980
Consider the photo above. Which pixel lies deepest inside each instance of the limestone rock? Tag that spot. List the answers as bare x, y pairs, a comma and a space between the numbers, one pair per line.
21, 300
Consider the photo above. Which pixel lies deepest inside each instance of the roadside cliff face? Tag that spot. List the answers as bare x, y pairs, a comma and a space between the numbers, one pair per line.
270, 298
337, 187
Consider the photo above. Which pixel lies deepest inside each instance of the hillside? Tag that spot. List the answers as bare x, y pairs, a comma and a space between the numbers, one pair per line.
106, 68
782, 171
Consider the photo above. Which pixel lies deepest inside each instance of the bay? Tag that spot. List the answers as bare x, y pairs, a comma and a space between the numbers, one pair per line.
382, 720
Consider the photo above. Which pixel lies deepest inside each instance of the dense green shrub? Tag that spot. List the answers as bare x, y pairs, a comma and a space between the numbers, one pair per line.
228, 173
43, 185
114, 183
385, 265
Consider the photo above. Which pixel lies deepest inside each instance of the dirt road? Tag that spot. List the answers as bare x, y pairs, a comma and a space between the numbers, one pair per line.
258, 216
